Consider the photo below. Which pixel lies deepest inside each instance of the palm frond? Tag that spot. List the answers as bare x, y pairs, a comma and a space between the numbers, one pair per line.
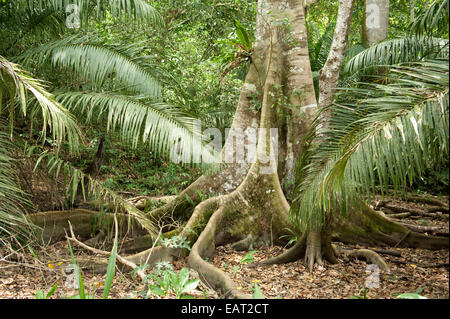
141, 121
319, 49
97, 62
434, 19
14, 203
17, 83
132, 11
383, 135
395, 51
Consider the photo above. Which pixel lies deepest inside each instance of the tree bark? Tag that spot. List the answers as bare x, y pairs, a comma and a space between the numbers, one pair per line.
329, 75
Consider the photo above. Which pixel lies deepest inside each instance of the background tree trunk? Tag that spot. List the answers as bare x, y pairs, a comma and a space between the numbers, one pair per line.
329, 75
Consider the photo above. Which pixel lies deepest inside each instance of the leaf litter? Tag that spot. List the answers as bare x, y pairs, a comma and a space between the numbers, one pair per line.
22, 275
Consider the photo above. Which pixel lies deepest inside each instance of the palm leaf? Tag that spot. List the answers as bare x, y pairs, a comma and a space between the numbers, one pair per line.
434, 19
395, 51
16, 82
14, 203
140, 121
126, 10
382, 135
97, 62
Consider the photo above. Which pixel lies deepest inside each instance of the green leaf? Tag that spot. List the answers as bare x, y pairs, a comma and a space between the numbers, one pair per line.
257, 293
183, 276
249, 257
111, 264
243, 36
157, 290
190, 285
411, 295
52, 291
40, 294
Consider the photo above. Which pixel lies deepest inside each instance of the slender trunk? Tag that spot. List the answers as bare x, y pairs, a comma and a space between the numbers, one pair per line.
318, 241
329, 75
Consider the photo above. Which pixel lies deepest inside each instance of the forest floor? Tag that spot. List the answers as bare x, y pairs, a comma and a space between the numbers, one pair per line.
22, 275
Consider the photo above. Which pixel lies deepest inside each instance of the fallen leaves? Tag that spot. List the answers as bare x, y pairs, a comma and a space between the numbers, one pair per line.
347, 278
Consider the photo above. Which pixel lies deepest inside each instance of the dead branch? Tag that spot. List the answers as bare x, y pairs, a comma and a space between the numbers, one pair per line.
438, 231
413, 211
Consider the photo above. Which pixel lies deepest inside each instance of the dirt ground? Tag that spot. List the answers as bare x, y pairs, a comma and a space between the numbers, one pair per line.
21, 276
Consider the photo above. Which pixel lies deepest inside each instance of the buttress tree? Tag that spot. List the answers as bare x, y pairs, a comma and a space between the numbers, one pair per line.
251, 206
248, 203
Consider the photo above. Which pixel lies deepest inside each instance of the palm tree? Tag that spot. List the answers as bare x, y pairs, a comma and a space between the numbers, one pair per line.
120, 88
387, 130
15, 87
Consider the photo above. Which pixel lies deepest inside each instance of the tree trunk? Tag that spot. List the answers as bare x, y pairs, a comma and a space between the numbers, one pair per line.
329, 75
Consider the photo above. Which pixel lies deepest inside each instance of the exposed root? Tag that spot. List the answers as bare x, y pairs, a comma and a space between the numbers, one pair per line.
399, 216
190, 231
244, 244
85, 222
372, 228
140, 202
292, 254
370, 256
438, 231
234, 211
54, 223
204, 248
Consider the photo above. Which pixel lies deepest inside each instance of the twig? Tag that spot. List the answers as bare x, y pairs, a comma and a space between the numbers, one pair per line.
403, 238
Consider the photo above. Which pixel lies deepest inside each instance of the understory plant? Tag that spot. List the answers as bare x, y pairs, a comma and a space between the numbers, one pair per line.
169, 281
